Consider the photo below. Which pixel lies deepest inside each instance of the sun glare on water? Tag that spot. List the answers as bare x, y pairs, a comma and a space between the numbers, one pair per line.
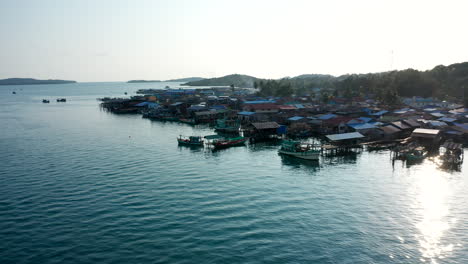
432, 192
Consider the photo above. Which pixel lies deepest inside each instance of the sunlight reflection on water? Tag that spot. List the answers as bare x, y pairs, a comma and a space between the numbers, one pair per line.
432, 193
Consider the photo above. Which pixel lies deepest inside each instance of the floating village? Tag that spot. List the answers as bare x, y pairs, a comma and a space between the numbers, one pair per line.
306, 128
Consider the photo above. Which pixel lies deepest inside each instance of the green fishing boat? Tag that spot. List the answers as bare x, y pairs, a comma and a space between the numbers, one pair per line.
300, 150
190, 141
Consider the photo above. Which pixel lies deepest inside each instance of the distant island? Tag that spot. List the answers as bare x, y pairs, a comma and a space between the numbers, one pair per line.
189, 79
143, 81
28, 81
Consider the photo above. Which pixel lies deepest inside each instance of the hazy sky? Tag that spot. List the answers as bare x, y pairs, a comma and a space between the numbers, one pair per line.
111, 40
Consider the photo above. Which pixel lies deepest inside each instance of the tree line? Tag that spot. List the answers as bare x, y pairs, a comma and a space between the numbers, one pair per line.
443, 82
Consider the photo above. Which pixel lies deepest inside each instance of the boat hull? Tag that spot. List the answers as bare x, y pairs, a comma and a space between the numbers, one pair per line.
301, 155
220, 145
185, 143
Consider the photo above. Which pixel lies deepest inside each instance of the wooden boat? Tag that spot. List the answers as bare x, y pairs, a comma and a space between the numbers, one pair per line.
187, 121
300, 150
190, 141
229, 142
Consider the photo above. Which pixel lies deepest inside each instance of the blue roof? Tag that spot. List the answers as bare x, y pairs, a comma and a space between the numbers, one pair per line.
365, 119
465, 125
218, 107
327, 116
260, 102
362, 126
197, 107
376, 123
299, 106
295, 118
437, 114
246, 113
382, 112
447, 119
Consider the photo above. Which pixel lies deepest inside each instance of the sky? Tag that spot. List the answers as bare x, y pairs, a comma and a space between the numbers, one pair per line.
117, 40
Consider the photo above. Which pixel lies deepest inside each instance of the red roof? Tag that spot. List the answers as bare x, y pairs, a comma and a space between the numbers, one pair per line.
338, 120
287, 107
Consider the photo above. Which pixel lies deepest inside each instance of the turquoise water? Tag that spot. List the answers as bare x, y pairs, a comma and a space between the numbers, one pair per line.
80, 185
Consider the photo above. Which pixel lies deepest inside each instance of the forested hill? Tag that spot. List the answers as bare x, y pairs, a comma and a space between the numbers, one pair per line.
189, 79
238, 80
26, 81
445, 82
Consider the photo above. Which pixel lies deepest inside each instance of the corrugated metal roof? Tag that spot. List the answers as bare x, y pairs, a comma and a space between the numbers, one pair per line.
447, 119
362, 126
327, 116
365, 119
411, 122
265, 125
426, 131
260, 102
437, 123
345, 136
380, 113
295, 118
400, 125
437, 114
390, 129
452, 145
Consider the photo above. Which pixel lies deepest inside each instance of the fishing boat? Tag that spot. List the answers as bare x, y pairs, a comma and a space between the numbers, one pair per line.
190, 141
416, 154
45, 101
169, 118
300, 150
61, 100
453, 154
187, 121
229, 142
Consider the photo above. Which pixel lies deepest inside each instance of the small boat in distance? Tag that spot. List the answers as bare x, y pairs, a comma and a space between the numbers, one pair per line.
190, 141
187, 121
300, 150
45, 101
229, 142
61, 100
13, 92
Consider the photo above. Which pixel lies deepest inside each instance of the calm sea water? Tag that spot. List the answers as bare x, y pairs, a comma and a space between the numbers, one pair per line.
80, 185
